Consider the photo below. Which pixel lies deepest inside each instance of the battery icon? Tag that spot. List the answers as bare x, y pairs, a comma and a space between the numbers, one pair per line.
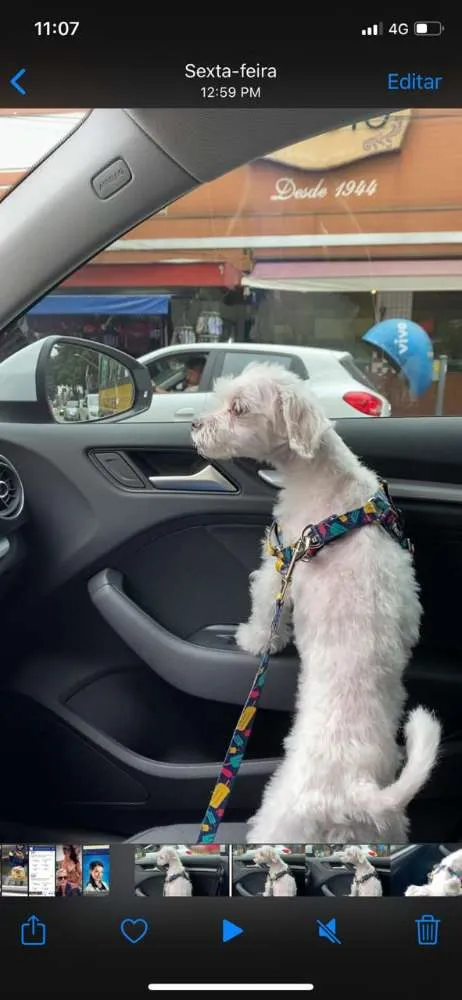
428, 28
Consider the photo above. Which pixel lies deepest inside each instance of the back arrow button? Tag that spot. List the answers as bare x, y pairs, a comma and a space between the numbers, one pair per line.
15, 81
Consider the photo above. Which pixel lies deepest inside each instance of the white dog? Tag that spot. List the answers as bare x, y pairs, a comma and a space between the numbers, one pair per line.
177, 881
356, 617
365, 881
279, 881
444, 880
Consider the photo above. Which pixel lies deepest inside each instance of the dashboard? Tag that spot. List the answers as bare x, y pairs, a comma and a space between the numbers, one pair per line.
13, 518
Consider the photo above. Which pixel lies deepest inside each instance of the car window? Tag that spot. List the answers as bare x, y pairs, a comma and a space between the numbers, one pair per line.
358, 373
333, 244
327, 850
26, 138
163, 369
234, 362
178, 372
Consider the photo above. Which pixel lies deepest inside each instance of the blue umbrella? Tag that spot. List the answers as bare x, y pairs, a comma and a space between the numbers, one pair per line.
409, 346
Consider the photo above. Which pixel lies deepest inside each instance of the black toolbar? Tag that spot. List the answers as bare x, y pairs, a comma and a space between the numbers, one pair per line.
287, 61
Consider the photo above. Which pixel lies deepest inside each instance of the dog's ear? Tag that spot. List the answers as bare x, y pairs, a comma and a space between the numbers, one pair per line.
305, 421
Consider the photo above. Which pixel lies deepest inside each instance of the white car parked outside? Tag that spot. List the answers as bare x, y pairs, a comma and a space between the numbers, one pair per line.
184, 375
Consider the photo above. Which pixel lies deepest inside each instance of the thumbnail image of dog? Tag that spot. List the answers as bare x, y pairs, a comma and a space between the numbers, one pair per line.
177, 881
365, 880
355, 613
279, 881
444, 880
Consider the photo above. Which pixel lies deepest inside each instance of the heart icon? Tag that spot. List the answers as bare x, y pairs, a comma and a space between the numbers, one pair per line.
134, 930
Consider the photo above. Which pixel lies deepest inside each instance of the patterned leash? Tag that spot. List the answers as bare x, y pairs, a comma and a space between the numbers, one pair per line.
243, 731
381, 510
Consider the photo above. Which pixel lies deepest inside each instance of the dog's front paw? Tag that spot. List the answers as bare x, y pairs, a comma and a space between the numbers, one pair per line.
415, 890
250, 639
255, 641
279, 642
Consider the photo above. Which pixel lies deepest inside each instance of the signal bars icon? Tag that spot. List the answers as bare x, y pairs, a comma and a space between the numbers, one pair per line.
373, 29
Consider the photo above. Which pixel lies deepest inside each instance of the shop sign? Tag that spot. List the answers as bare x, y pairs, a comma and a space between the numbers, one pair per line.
287, 189
383, 134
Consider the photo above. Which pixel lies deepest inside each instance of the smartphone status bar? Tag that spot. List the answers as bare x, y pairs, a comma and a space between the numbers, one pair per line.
229, 62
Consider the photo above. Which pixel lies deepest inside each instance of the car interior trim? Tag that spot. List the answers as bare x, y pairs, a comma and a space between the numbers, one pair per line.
4, 547
402, 488
208, 478
216, 674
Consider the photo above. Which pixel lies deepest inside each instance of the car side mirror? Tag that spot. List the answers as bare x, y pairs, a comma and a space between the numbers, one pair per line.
70, 380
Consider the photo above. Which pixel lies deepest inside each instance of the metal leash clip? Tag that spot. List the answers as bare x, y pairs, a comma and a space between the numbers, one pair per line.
300, 550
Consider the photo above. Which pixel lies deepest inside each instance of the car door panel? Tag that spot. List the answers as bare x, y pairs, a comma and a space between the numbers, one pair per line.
412, 866
172, 406
211, 673
184, 413
131, 595
209, 877
177, 405
250, 879
327, 877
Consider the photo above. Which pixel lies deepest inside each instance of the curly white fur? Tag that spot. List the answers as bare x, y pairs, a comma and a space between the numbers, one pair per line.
180, 885
279, 881
445, 880
365, 881
356, 617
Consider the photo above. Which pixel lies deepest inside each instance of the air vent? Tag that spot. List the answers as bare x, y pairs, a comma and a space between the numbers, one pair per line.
11, 491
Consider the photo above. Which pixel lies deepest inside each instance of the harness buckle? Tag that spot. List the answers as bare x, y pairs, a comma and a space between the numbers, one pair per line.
306, 539
299, 551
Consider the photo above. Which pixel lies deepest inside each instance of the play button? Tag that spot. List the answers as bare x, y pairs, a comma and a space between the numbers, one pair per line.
230, 931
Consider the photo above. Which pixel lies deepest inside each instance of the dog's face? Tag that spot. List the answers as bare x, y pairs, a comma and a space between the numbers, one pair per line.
264, 413
266, 855
165, 856
18, 873
451, 865
352, 855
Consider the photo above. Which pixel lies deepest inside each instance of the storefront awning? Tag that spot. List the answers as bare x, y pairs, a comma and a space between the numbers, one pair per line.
154, 275
102, 305
357, 276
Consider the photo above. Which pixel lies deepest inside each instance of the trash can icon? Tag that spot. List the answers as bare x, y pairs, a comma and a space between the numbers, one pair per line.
428, 929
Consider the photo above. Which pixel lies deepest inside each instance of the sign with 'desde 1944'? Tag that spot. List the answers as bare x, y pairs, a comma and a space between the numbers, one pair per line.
285, 189
333, 150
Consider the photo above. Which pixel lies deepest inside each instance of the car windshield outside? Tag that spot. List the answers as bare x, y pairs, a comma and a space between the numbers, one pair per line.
28, 137
349, 242
147, 853
327, 850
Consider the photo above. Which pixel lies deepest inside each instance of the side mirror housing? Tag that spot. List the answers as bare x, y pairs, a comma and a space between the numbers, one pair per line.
69, 380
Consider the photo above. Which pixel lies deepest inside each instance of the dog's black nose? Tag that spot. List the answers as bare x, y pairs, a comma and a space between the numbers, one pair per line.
196, 425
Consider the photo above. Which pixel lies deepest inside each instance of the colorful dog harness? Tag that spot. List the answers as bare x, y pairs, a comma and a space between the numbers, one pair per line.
173, 878
177, 875
379, 510
275, 878
364, 878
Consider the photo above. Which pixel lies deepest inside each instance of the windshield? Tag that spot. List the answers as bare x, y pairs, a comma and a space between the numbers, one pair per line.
344, 249
26, 137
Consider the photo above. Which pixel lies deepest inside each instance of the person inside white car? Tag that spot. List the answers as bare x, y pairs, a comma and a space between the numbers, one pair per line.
191, 377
